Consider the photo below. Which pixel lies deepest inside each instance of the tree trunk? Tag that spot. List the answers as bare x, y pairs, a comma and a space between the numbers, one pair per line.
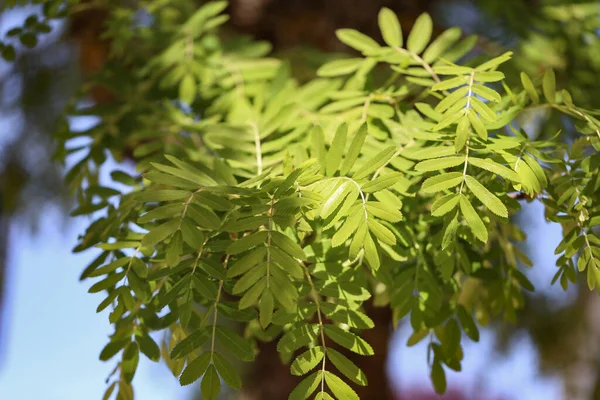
268, 378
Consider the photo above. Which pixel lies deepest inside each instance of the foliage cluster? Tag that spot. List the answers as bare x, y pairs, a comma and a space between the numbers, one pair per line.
269, 209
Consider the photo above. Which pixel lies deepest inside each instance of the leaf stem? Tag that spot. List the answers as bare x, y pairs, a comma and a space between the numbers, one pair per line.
467, 108
271, 211
259, 165
418, 58
216, 312
315, 296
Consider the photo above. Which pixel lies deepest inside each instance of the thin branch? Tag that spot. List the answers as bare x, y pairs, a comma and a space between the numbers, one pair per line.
425, 65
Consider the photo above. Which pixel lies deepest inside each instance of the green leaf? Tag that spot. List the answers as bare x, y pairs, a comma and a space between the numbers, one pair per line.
494, 167
109, 390
382, 182
227, 372
441, 182
151, 196
163, 212
486, 93
297, 337
118, 245
487, 198
109, 267
389, 198
437, 164
428, 111
441, 44
483, 110
283, 290
537, 170
174, 250
251, 259
348, 340
130, 361
174, 292
234, 343
450, 232
529, 88
346, 367
347, 229
246, 224
323, 396
494, 62
444, 205
461, 49
266, 308
189, 172
425, 153
420, 34
160, 233
336, 198
452, 69
390, 27
339, 388
356, 40
523, 280
334, 155
462, 133
452, 99
109, 282
374, 163
211, 385
307, 361
203, 216
438, 377
148, 347
381, 232
247, 242
451, 83
477, 125
287, 263
339, 67
355, 147
195, 369
252, 295
384, 211
112, 348
187, 89
9, 53
549, 86
416, 337
490, 76
230, 310
467, 322
371, 253
107, 301
287, 245
192, 342
250, 278
306, 387
451, 339
473, 220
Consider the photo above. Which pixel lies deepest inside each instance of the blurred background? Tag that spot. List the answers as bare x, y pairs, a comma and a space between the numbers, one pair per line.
50, 335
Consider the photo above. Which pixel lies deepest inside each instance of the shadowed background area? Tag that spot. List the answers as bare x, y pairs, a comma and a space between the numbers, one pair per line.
554, 336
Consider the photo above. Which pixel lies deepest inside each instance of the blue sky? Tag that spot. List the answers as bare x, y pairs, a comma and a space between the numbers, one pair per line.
50, 350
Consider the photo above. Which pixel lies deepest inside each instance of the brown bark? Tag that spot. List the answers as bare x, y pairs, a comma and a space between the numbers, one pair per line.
287, 23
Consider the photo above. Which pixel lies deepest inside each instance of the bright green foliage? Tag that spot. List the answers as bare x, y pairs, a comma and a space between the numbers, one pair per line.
278, 208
